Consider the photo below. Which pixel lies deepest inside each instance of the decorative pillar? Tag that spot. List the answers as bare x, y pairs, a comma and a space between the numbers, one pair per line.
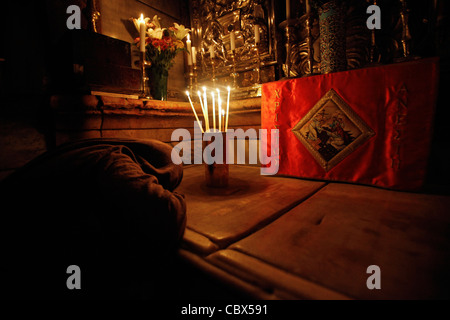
332, 37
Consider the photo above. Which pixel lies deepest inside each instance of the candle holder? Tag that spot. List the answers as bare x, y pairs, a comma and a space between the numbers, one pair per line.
258, 63
145, 89
195, 75
217, 174
309, 44
406, 35
373, 53
234, 75
191, 78
288, 30
374, 56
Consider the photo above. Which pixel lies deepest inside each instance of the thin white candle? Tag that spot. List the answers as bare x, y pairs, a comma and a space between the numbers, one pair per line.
193, 109
228, 107
220, 117
214, 111
223, 119
288, 10
257, 37
142, 32
211, 51
205, 115
219, 102
201, 101
194, 55
232, 40
205, 104
189, 50
308, 8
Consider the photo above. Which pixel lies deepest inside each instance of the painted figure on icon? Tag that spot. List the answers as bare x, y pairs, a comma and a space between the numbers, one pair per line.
329, 131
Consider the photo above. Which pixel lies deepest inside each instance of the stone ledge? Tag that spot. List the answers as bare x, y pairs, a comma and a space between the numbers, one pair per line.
83, 103
78, 117
74, 103
119, 103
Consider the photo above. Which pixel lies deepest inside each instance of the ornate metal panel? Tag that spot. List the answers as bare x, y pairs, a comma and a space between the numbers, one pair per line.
212, 23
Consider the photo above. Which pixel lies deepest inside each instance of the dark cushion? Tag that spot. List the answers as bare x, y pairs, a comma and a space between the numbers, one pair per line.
106, 205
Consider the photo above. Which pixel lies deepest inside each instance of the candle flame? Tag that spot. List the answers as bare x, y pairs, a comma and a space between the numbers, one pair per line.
141, 18
188, 38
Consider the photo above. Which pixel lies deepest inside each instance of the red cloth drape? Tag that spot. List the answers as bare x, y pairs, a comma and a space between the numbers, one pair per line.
396, 101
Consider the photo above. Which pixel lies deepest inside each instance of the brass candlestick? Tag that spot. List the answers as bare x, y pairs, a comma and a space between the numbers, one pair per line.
258, 63
288, 49
406, 35
374, 56
145, 89
191, 78
195, 70
309, 44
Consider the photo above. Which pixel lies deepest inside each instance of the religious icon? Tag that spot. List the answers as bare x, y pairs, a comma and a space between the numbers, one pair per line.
331, 130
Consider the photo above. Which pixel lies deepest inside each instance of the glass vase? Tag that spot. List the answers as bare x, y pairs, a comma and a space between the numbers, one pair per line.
158, 77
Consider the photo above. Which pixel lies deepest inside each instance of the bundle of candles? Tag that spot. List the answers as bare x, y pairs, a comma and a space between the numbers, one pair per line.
222, 114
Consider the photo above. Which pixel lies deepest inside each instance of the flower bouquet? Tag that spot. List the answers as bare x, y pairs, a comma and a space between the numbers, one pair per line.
161, 47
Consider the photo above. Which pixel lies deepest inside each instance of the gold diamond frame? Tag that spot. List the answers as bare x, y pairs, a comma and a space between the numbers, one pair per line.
366, 131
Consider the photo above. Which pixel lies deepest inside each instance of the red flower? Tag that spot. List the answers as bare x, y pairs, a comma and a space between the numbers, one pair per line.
160, 43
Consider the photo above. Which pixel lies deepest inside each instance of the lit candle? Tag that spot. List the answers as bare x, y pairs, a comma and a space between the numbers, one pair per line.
193, 109
219, 101
220, 116
228, 108
142, 32
288, 10
257, 38
214, 111
201, 101
205, 105
189, 50
223, 120
194, 55
308, 8
211, 51
205, 112
232, 40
